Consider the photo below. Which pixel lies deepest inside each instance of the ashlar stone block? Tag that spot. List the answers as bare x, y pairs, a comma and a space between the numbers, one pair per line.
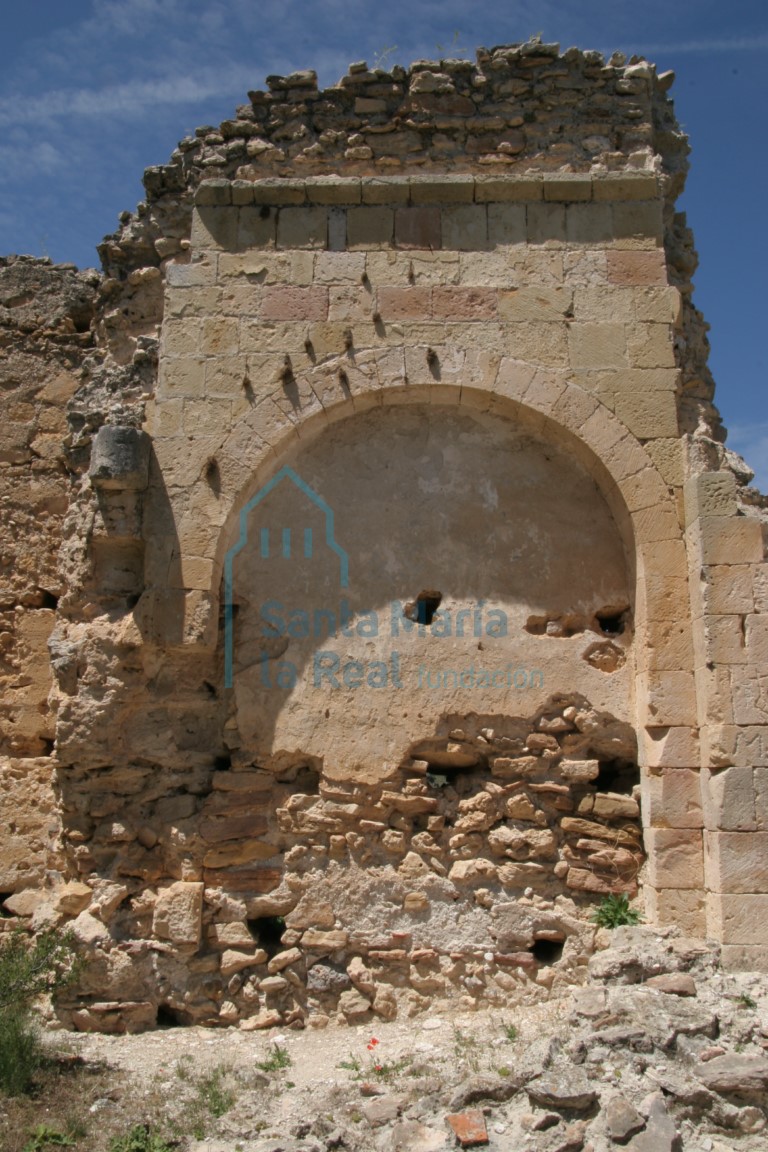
736, 540
736, 861
675, 857
546, 303
728, 799
506, 224
598, 345
684, 907
465, 227
670, 747
668, 698
648, 415
672, 799
738, 919
370, 226
728, 589
302, 227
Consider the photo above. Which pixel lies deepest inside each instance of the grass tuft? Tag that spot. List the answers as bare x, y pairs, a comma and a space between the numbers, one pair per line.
615, 912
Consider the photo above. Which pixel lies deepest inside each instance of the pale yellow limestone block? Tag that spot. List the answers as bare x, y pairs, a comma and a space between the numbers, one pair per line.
728, 799
598, 346
682, 907
672, 799
648, 415
670, 747
667, 698
675, 857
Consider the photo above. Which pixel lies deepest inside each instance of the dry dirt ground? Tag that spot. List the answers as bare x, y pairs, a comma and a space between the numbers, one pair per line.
176, 1079
660, 1051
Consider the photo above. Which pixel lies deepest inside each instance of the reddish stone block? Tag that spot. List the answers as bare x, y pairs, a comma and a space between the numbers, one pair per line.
285, 303
418, 227
632, 266
515, 959
469, 1128
464, 303
232, 827
405, 303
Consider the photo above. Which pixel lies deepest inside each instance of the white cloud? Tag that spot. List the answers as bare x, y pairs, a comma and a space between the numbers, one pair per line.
20, 159
126, 99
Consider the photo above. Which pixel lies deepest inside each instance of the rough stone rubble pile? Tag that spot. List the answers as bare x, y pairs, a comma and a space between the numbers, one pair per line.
659, 1051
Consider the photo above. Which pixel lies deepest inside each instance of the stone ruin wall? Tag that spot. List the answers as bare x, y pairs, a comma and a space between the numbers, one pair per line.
420, 268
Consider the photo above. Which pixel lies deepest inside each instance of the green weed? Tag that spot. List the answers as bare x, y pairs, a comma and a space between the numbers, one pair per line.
45, 1137
28, 970
278, 1059
213, 1093
466, 1048
140, 1138
614, 912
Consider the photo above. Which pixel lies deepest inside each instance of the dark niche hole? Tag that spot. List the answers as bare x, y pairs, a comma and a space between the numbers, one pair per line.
616, 776
48, 746
47, 599
81, 321
308, 781
422, 609
267, 931
4, 913
213, 475
547, 951
168, 1017
302, 777
612, 621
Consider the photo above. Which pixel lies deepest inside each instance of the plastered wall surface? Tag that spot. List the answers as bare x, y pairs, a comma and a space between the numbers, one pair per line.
406, 600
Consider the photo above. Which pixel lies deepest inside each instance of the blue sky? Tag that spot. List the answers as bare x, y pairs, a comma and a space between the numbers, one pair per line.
94, 91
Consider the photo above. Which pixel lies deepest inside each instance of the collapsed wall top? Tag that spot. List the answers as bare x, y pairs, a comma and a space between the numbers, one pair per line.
520, 107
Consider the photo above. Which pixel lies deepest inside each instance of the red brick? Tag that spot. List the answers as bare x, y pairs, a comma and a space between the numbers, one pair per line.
295, 304
418, 227
629, 266
464, 303
515, 959
388, 955
469, 1128
405, 303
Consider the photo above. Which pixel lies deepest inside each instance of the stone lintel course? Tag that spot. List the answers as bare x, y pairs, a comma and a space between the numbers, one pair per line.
432, 189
